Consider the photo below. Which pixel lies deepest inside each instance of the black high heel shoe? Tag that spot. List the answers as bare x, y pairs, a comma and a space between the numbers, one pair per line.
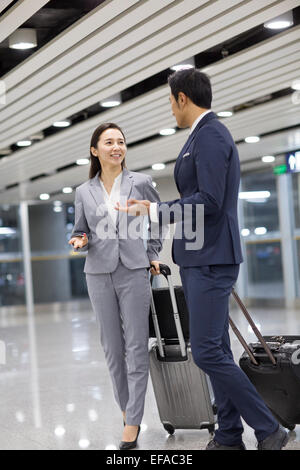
125, 445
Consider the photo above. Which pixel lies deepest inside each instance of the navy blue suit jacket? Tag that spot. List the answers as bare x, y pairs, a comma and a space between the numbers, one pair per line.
207, 171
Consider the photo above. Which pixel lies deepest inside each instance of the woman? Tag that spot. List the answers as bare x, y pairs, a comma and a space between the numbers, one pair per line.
116, 269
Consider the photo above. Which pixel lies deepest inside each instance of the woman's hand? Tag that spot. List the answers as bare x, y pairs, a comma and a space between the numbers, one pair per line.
155, 269
79, 242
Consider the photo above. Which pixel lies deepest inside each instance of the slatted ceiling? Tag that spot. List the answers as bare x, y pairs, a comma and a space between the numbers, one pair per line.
264, 88
67, 140
147, 114
259, 52
68, 151
282, 142
113, 82
94, 20
257, 74
17, 15
98, 50
279, 143
80, 59
264, 110
262, 126
4, 4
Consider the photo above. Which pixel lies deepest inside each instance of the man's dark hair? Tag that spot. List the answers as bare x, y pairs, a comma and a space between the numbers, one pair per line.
194, 84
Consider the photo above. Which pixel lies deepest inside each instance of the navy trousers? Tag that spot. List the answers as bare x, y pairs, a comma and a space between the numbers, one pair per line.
207, 290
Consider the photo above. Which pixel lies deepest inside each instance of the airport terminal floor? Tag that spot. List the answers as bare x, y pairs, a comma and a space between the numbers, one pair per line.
56, 392
103, 101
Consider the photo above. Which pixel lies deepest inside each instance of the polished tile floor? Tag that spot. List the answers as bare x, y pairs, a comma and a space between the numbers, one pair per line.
56, 391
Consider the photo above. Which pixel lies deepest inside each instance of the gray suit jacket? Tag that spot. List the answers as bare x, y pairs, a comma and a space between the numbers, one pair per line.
109, 242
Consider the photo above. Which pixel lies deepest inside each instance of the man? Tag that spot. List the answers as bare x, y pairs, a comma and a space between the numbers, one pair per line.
207, 172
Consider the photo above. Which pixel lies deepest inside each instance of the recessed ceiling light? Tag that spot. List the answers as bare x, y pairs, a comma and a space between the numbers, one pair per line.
84, 443
67, 190
296, 85
260, 231
44, 196
170, 131
112, 101
24, 143
254, 194
158, 166
59, 431
184, 64
154, 184
65, 123
245, 232
225, 113
252, 139
268, 159
280, 22
23, 38
82, 161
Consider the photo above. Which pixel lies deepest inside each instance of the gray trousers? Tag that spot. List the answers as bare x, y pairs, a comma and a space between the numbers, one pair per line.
121, 302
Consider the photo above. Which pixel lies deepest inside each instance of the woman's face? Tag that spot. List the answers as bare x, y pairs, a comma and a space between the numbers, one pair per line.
111, 148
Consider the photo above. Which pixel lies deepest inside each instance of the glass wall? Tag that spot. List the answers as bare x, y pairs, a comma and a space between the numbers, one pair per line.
261, 235
296, 206
12, 287
54, 267
57, 272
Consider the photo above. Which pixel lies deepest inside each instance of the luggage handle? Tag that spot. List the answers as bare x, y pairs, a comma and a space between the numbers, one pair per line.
255, 330
166, 272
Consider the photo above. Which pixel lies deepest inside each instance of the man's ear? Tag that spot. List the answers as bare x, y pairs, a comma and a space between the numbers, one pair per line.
182, 99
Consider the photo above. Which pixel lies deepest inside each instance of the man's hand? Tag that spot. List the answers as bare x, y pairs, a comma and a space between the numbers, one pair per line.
79, 242
155, 269
135, 207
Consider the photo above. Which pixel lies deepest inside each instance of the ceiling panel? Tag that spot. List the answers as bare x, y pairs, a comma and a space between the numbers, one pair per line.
137, 157
133, 65
116, 46
17, 15
4, 4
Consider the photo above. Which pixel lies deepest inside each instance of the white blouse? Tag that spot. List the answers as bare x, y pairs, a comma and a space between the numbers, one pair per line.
112, 198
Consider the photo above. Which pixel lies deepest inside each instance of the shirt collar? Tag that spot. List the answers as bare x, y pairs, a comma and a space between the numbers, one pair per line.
196, 122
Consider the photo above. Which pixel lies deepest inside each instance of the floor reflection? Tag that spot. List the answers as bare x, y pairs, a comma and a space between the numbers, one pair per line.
56, 391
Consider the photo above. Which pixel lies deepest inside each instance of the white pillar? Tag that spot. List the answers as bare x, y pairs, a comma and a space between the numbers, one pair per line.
288, 249
27, 257
242, 281
34, 379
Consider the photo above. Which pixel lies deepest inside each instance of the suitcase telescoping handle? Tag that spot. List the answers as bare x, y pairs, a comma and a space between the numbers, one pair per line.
166, 272
255, 330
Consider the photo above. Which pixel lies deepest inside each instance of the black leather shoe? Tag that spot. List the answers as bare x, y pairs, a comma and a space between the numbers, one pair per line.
124, 445
214, 445
275, 441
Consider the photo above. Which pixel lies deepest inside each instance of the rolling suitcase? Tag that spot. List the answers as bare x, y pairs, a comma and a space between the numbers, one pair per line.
183, 392
273, 366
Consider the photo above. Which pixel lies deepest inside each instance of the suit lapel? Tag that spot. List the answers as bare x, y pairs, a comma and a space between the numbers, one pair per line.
96, 190
125, 191
192, 136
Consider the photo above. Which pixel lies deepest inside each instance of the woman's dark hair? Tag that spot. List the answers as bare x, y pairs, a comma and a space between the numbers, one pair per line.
95, 165
194, 84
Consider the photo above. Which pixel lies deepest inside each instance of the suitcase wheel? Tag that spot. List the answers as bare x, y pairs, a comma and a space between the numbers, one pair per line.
211, 429
169, 428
